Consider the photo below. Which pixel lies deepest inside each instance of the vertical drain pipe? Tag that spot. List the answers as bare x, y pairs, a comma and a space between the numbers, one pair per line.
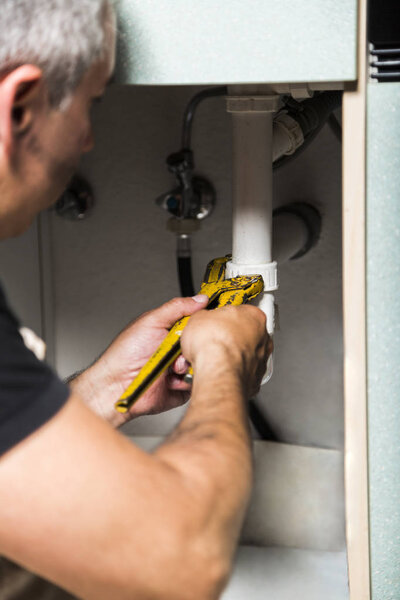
252, 120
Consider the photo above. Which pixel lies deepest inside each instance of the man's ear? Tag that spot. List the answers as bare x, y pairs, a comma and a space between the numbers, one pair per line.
18, 91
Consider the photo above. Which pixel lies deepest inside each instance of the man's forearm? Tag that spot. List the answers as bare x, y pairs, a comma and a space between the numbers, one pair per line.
130, 524
178, 510
212, 450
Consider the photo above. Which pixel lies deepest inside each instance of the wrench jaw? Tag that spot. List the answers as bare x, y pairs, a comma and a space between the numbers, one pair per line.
234, 292
221, 292
215, 270
233, 296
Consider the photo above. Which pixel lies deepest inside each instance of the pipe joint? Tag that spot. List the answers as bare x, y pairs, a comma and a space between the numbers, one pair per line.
264, 301
287, 136
251, 104
269, 272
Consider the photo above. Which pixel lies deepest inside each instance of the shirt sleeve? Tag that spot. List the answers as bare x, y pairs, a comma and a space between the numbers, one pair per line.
30, 392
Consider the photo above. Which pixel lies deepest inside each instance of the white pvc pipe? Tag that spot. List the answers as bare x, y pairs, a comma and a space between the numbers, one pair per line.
252, 187
252, 118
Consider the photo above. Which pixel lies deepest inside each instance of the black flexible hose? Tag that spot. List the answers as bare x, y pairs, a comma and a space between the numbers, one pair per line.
221, 90
185, 275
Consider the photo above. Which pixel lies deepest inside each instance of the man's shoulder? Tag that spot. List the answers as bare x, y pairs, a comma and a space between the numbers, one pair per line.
30, 391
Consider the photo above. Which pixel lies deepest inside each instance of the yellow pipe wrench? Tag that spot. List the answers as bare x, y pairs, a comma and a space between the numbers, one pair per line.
221, 292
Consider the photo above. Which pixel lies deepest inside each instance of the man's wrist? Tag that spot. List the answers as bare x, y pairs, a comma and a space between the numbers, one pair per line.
97, 391
220, 364
219, 355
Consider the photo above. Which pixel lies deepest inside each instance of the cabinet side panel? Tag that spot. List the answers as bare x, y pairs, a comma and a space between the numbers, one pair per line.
354, 323
383, 321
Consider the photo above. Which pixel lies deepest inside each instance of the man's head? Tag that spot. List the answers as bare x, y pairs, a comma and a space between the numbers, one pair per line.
55, 59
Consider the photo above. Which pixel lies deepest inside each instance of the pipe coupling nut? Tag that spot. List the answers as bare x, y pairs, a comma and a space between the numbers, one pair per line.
263, 104
269, 272
290, 128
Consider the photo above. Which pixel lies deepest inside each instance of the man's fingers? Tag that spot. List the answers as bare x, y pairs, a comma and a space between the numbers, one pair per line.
175, 309
180, 366
178, 384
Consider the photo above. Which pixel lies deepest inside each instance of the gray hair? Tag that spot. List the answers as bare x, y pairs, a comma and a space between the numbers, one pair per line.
62, 37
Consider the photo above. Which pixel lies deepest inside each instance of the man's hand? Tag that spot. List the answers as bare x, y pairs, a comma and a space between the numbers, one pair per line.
104, 382
231, 339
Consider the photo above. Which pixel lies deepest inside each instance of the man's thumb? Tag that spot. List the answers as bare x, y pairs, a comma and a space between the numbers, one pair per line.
175, 309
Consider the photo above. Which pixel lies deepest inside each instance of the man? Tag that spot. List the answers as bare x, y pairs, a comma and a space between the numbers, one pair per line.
79, 504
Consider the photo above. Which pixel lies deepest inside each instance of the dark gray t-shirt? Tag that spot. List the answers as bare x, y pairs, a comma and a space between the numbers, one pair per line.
30, 392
